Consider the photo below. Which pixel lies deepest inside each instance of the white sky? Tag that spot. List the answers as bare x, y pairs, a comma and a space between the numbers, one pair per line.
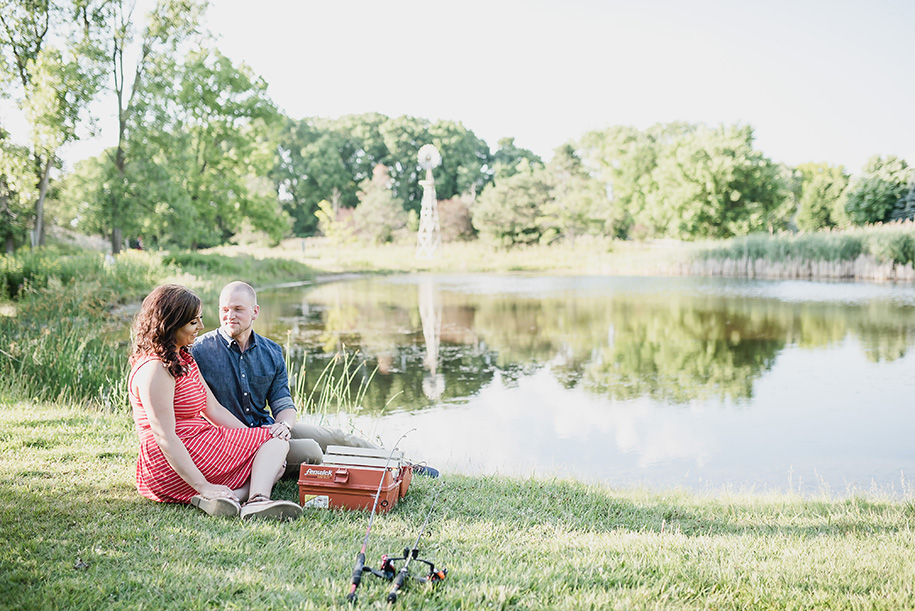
818, 81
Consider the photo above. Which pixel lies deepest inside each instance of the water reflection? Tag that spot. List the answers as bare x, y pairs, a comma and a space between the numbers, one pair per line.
430, 313
654, 380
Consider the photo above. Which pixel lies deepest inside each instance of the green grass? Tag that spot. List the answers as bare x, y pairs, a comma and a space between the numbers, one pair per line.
77, 535
218, 268
65, 315
889, 243
585, 256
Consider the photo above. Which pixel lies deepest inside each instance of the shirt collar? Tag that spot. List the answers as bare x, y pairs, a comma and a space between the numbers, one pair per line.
230, 341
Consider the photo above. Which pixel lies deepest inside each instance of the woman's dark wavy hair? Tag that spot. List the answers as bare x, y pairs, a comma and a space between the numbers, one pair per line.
168, 308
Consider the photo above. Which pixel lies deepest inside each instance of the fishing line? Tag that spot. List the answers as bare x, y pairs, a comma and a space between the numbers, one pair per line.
360, 557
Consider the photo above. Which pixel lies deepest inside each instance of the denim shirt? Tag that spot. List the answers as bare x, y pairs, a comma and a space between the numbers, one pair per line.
246, 383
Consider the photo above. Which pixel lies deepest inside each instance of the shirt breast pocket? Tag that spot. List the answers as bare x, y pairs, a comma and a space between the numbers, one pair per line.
260, 383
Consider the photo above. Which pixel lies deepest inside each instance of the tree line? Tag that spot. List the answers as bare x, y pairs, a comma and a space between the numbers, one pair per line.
203, 154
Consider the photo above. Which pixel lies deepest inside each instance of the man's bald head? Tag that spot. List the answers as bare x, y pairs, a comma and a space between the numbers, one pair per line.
241, 289
238, 310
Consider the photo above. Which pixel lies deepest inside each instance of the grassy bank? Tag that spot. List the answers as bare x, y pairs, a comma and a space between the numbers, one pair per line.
78, 536
873, 253
877, 253
585, 256
65, 315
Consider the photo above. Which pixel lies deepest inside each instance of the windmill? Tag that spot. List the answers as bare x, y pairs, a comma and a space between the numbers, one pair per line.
429, 236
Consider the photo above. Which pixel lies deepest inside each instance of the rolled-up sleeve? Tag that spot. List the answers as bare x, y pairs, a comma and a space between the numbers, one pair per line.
278, 396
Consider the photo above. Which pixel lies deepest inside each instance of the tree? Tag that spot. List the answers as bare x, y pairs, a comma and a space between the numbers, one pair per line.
322, 157
16, 190
310, 168
578, 203
141, 187
210, 127
625, 159
465, 160
511, 211
379, 215
905, 207
822, 187
49, 50
507, 157
711, 183
873, 194
454, 219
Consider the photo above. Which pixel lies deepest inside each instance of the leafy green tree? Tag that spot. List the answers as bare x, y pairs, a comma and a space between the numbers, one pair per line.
578, 203
403, 136
625, 159
465, 160
905, 207
309, 169
211, 129
326, 159
142, 187
873, 194
687, 181
713, 184
49, 50
379, 215
362, 146
507, 157
511, 211
16, 189
822, 188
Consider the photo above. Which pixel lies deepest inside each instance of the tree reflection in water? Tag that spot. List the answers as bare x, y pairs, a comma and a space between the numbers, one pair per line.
440, 339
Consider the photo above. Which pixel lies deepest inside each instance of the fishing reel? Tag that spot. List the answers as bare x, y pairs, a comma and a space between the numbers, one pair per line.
388, 570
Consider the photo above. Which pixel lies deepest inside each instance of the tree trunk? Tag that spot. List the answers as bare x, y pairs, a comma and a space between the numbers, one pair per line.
117, 239
38, 239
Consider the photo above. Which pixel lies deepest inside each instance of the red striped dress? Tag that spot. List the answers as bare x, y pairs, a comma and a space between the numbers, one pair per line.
223, 455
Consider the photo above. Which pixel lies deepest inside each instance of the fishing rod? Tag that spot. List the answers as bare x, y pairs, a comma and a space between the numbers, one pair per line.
360, 557
410, 554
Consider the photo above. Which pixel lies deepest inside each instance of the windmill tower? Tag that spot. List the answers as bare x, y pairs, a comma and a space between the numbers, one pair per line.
429, 236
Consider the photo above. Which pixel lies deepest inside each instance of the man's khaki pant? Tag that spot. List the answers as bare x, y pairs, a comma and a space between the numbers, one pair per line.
309, 442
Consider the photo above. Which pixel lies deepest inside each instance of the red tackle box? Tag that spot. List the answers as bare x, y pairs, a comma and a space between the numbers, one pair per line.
349, 478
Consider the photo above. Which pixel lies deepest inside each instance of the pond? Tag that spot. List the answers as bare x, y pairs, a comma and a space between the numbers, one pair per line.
708, 384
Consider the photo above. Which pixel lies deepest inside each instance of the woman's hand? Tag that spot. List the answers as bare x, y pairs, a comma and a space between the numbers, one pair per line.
215, 491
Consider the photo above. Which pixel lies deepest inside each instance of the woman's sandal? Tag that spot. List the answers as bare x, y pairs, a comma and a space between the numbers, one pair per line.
220, 507
260, 506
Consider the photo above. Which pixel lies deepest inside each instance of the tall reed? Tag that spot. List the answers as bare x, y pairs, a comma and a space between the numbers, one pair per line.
67, 338
340, 387
886, 243
63, 345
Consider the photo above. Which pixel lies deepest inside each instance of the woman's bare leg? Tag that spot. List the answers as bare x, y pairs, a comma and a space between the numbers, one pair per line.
269, 463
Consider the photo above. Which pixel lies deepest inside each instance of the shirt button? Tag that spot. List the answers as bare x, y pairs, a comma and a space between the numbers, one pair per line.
242, 375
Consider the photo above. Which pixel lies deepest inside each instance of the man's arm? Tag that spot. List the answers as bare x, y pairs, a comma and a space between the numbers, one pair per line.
279, 399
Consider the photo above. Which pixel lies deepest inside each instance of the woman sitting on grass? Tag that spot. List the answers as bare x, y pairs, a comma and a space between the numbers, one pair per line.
192, 450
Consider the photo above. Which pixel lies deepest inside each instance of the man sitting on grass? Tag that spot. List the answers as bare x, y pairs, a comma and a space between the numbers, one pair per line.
247, 373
